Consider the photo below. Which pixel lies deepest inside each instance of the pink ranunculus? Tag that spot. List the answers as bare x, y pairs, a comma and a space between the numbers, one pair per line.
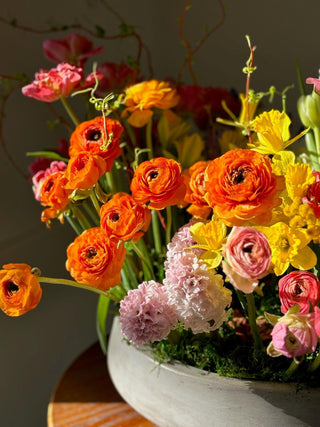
50, 85
299, 287
293, 336
115, 77
248, 252
145, 315
312, 198
39, 177
74, 49
317, 320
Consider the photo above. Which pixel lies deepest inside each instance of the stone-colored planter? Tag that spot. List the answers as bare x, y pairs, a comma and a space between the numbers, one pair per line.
183, 396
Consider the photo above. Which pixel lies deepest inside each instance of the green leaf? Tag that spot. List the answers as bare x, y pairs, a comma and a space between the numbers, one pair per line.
102, 313
47, 154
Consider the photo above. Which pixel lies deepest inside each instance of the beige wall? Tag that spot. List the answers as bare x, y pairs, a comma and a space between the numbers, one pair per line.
36, 348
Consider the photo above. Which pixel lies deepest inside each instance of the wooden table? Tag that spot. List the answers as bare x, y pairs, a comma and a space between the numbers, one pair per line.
86, 397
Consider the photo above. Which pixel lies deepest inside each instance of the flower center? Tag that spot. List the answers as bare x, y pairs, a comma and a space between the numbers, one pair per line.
237, 176
153, 175
94, 134
11, 288
91, 253
114, 217
284, 243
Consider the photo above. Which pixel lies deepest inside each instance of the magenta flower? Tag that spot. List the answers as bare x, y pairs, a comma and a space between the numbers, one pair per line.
74, 49
312, 198
51, 85
40, 176
293, 335
315, 82
145, 315
299, 287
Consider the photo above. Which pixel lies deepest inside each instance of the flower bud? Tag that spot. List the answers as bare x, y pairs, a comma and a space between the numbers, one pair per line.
309, 110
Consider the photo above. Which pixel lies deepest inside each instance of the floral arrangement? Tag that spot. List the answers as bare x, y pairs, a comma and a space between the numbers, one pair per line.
192, 216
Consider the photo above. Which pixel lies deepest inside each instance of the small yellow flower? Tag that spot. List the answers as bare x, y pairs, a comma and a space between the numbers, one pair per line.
210, 236
289, 246
272, 128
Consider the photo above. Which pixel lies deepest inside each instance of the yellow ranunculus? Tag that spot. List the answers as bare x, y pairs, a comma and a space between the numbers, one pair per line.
142, 97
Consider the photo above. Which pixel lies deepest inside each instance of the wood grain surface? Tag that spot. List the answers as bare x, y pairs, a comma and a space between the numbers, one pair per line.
86, 397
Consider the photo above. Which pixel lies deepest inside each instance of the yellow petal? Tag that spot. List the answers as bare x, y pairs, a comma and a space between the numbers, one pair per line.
305, 259
212, 258
140, 118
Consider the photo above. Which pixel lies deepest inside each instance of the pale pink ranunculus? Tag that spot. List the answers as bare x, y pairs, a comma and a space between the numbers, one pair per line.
299, 287
241, 283
74, 49
317, 320
39, 177
248, 252
50, 85
293, 335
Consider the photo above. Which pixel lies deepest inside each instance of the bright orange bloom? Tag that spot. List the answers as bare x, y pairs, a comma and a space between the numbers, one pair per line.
142, 97
95, 259
159, 183
196, 190
20, 290
98, 137
242, 188
84, 170
53, 192
122, 218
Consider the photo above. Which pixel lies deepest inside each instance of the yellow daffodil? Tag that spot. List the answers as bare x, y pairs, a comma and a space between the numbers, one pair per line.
298, 178
281, 161
210, 237
289, 246
272, 128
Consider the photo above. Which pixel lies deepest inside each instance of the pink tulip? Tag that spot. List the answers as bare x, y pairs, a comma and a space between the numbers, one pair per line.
51, 85
115, 77
315, 82
74, 49
293, 336
299, 287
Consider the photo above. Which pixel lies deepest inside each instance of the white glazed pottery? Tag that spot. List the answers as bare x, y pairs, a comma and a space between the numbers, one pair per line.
181, 396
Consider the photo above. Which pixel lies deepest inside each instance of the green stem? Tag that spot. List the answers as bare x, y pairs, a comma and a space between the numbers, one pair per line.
311, 148
111, 183
76, 227
169, 224
156, 231
292, 368
252, 315
70, 111
76, 285
92, 212
316, 132
83, 221
95, 202
148, 271
315, 364
149, 139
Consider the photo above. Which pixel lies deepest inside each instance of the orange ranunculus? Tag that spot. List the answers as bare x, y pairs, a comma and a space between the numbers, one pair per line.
20, 290
142, 97
95, 259
196, 190
159, 182
122, 218
84, 170
241, 187
97, 136
53, 192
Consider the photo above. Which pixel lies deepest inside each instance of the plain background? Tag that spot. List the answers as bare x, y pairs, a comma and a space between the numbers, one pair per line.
38, 347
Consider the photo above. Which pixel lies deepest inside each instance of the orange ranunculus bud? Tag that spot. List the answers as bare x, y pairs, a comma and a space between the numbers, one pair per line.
159, 182
53, 192
97, 136
84, 170
122, 218
20, 290
241, 187
142, 97
95, 259
196, 190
